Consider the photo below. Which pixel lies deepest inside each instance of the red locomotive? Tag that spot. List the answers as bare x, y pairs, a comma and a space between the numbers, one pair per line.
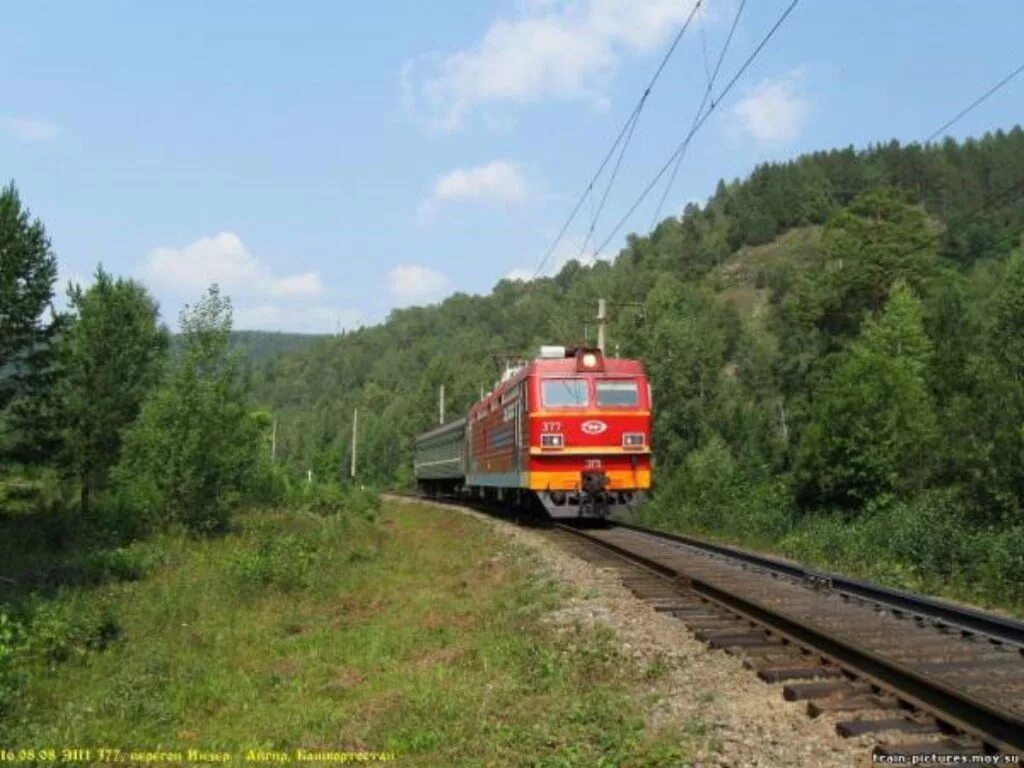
570, 430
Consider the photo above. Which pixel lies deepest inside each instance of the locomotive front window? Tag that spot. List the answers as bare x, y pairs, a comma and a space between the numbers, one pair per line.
564, 393
620, 393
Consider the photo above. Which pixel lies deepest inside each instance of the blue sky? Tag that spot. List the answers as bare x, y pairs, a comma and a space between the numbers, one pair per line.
329, 161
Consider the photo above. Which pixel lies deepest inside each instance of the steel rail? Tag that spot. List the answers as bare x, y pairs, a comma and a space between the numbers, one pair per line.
1001, 729
969, 620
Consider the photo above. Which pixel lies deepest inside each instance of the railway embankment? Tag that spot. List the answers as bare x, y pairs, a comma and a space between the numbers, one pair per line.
703, 698
428, 634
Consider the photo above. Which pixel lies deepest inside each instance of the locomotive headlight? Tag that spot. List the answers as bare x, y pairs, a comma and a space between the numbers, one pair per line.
552, 440
633, 440
589, 360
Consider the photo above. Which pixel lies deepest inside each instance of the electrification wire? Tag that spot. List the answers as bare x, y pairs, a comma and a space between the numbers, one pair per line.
596, 214
626, 128
707, 95
970, 107
698, 125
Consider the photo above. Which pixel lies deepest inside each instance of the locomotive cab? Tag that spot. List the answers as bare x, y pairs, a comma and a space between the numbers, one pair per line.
590, 434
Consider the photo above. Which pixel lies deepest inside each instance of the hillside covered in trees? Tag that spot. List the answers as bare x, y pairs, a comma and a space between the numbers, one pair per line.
836, 346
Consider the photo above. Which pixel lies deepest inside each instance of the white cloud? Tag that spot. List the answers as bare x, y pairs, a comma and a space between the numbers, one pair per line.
224, 259
303, 284
773, 112
499, 181
30, 129
415, 283
563, 49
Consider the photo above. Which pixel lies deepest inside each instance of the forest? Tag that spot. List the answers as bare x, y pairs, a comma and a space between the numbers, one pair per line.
835, 343
836, 350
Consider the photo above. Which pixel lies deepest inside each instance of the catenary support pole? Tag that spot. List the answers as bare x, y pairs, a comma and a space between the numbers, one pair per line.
355, 432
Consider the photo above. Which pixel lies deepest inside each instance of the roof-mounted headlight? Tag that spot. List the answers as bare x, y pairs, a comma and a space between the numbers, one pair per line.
589, 360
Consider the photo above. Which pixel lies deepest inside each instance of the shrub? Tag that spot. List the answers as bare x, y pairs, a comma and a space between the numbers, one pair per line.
120, 564
60, 632
10, 639
278, 560
131, 509
363, 502
292, 551
333, 499
997, 563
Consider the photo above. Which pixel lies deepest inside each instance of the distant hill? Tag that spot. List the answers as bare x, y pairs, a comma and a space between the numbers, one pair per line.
833, 341
729, 270
260, 346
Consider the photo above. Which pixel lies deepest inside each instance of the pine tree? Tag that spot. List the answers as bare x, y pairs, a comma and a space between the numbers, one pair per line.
877, 240
194, 445
1008, 326
874, 424
28, 269
110, 355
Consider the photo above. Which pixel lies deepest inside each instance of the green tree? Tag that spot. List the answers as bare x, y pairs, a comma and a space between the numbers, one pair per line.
877, 240
1008, 319
193, 450
873, 425
110, 355
28, 269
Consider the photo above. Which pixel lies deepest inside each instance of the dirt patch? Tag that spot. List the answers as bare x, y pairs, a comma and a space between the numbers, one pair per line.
439, 656
432, 620
706, 696
350, 612
284, 668
343, 679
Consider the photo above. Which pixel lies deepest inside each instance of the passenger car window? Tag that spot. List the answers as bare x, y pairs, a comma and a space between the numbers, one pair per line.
622, 393
564, 393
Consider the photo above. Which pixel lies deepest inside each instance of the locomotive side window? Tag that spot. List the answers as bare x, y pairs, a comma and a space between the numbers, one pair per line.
620, 393
564, 393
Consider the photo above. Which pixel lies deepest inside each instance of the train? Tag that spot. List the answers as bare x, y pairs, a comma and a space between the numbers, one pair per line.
567, 434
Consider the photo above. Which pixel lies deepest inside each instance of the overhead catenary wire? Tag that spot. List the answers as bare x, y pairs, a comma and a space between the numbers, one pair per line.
704, 102
681, 148
976, 103
596, 214
627, 129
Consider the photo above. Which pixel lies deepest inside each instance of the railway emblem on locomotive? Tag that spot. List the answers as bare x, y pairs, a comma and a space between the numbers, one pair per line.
593, 427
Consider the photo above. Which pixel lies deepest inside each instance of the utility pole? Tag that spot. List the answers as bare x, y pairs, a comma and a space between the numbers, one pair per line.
440, 406
273, 440
355, 428
602, 322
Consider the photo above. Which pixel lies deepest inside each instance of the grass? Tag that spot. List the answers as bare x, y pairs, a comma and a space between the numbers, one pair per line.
424, 636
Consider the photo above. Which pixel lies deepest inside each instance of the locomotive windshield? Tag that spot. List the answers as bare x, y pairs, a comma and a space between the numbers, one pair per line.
620, 393
564, 393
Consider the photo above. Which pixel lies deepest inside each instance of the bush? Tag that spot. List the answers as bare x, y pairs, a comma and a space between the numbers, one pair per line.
131, 509
710, 494
279, 560
10, 639
120, 564
268, 484
60, 632
996, 561
334, 498
293, 553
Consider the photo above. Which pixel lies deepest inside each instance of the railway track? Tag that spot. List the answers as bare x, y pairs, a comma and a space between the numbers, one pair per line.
922, 676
